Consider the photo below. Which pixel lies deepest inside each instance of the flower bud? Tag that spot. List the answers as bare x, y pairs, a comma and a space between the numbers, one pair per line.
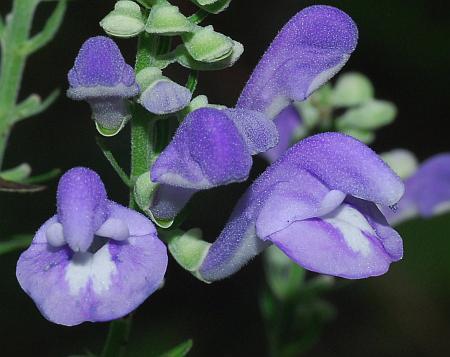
352, 89
207, 45
124, 21
159, 94
166, 20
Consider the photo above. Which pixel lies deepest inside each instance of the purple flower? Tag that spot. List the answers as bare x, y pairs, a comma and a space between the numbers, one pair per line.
317, 204
214, 147
211, 147
427, 191
287, 122
102, 78
95, 260
310, 49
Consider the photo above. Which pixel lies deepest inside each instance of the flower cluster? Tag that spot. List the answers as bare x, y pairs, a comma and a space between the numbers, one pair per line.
320, 202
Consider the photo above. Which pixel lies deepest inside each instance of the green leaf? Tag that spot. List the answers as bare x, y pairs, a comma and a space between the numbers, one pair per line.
16, 242
179, 351
33, 105
49, 31
367, 137
111, 159
17, 173
403, 162
198, 17
47, 176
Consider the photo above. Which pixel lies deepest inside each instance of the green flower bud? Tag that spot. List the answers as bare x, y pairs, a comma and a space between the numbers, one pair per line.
207, 45
124, 21
369, 116
166, 20
401, 161
352, 89
365, 136
189, 250
212, 6
186, 60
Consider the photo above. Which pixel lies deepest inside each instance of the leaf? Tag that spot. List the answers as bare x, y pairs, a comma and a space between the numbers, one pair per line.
49, 31
45, 177
17, 173
16, 242
33, 105
179, 351
11, 186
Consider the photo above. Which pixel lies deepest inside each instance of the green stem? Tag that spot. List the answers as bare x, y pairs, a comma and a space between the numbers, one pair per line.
142, 124
117, 340
13, 63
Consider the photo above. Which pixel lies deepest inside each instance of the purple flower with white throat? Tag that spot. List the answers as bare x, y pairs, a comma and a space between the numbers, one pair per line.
214, 147
317, 204
102, 78
427, 187
95, 260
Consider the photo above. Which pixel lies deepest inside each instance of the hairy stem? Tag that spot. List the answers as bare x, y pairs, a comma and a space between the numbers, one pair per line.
15, 35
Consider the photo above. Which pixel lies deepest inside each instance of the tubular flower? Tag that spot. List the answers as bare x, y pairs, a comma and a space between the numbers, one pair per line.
214, 147
101, 77
317, 204
427, 188
94, 260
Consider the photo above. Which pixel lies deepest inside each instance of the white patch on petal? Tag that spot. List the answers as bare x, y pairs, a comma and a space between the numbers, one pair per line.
331, 201
179, 181
351, 223
325, 76
114, 228
85, 267
55, 235
442, 208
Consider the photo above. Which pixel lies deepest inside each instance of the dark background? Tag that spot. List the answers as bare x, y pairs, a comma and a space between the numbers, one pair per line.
404, 48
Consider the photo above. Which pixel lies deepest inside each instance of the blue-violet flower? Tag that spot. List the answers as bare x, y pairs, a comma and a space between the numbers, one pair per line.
317, 203
95, 260
102, 78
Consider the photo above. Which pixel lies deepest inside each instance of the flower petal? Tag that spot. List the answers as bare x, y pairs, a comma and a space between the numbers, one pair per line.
345, 164
72, 288
236, 245
82, 206
206, 151
99, 63
310, 49
259, 133
165, 97
168, 201
342, 243
300, 198
427, 192
287, 122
